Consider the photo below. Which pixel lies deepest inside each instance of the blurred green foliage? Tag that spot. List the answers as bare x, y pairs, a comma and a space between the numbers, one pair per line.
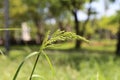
37, 12
68, 64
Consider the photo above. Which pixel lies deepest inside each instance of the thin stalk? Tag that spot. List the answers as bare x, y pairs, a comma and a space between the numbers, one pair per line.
35, 65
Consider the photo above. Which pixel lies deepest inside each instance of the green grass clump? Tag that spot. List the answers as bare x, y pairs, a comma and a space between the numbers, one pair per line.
85, 64
68, 65
48, 42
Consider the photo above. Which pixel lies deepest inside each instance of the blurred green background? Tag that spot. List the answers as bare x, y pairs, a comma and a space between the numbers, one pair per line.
23, 24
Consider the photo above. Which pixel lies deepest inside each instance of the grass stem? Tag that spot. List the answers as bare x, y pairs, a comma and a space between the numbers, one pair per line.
34, 65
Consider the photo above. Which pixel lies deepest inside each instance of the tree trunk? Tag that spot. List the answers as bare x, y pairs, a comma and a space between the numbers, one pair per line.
118, 40
77, 44
118, 45
82, 32
6, 12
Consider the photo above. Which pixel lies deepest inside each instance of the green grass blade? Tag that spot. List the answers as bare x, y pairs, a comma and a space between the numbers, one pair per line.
21, 64
49, 62
10, 29
15, 76
2, 52
36, 61
32, 54
38, 76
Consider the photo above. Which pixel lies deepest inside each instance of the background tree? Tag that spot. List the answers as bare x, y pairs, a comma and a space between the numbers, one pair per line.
116, 19
74, 6
1, 18
36, 12
6, 18
17, 17
55, 11
32, 10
